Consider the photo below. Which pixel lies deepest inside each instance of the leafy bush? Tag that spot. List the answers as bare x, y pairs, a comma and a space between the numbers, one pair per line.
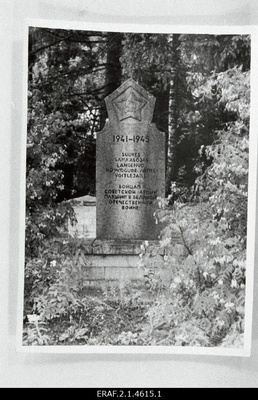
203, 280
59, 308
53, 278
203, 275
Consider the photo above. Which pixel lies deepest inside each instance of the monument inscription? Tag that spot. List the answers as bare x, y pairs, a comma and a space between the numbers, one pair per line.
130, 171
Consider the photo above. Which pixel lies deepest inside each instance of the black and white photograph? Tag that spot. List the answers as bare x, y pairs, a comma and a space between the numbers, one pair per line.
137, 172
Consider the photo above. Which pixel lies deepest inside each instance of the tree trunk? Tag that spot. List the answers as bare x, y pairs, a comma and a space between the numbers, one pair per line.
113, 72
161, 116
174, 132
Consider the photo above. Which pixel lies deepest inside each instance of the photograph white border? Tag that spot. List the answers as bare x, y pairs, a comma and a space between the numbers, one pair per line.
252, 189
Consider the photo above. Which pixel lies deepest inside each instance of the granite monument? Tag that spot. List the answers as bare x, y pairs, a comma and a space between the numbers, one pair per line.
130, 170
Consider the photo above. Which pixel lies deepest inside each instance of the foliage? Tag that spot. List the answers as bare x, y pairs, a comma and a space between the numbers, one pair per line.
44, 182
54, 276
60, 140
205, 240
36, 334
60, 308
203, 278
59, 116
215, 65
156, 56
174, 68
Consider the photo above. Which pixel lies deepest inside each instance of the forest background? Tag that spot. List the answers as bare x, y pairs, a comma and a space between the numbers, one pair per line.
202, 89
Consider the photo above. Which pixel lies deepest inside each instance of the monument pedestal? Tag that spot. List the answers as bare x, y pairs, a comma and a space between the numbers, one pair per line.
116, 261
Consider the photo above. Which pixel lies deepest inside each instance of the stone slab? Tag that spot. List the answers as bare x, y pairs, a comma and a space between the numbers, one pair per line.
94, 273
109, 260
125, 247
130, 166
123, 274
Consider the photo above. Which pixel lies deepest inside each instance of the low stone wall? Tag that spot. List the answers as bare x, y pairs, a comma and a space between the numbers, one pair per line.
85, 211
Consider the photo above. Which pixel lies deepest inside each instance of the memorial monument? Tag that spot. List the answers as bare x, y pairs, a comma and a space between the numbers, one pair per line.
130, 175
130, 169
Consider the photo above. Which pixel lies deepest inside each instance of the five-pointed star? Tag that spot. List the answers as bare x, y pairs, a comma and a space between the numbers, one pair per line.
130, 106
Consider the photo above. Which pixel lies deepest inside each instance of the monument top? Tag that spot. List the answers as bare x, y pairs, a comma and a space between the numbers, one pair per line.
130, 103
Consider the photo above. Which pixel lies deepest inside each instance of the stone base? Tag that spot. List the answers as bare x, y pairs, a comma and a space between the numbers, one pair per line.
116, 261
123, 247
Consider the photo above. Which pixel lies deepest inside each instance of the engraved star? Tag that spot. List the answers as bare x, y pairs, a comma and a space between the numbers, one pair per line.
129, 107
